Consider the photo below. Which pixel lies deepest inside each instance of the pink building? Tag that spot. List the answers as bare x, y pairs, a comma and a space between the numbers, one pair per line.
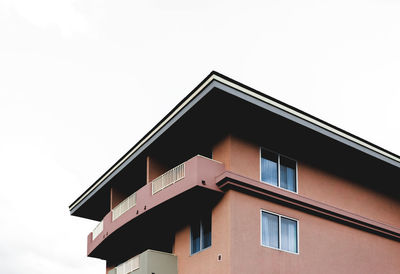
234, 181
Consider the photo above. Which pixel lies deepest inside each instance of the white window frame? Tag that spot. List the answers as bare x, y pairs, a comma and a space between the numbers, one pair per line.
201, 236
279, 231
279, 170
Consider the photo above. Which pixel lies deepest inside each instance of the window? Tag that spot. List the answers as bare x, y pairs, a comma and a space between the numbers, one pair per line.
200, 234
278, 170
279, 232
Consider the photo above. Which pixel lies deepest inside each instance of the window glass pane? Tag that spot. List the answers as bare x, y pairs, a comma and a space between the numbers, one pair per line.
195, 237
206, 226
289, 235
269, 167
270, 228
288, 174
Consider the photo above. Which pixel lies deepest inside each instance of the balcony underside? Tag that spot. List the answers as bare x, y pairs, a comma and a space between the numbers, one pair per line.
155, 228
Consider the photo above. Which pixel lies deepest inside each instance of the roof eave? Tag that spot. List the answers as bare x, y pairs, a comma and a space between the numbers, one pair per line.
217, 80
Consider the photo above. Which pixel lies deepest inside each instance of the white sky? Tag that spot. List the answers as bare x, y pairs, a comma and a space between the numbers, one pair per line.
82, 81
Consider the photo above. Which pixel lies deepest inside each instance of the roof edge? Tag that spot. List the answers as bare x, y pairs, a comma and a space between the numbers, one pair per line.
216, 76
304, 115
152, 131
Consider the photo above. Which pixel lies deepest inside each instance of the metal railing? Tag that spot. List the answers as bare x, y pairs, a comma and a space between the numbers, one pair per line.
124, 206
128, 266
97, 230
168, 178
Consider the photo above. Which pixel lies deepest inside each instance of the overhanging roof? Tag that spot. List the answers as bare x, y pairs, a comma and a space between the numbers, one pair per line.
230, 86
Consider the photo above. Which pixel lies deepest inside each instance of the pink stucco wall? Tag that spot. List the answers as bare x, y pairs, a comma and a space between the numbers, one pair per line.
206, 261
324, 246
239, 156
243, 157
347, 195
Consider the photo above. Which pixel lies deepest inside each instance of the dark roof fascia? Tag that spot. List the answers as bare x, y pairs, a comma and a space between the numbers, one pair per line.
308, 124
224, 83
306, 114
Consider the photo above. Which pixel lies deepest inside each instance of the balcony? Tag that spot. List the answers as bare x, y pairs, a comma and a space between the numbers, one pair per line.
97, 230
124, 206
128, 266
148, 218
150, 261
168, 178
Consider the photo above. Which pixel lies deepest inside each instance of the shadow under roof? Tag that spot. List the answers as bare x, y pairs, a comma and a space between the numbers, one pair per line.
251, 96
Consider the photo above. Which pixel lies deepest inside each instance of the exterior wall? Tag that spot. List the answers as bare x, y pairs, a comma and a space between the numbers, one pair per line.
222, 152
243, 158
336, 191
238, 156
206, 261
324, 246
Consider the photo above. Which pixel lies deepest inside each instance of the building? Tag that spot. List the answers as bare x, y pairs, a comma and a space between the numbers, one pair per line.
234, 181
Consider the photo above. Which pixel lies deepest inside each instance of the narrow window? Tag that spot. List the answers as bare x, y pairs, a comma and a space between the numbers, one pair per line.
288, 174
206, 229
278, 170
195, 235
279, 232
289, 235
269, 167
200, 234
270, 231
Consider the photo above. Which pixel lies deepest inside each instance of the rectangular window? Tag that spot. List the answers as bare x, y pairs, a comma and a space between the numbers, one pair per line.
279, 232
278, 170
269, 167
200, 234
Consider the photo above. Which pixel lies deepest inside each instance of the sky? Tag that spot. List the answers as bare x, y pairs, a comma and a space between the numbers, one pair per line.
82, 81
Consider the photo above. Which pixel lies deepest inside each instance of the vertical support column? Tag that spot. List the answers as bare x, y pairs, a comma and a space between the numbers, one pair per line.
238, 155
222, 151
116, 197
154, 168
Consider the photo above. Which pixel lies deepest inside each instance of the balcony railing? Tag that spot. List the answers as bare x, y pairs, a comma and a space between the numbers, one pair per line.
97, 230
124, 206
128, 266
168, 178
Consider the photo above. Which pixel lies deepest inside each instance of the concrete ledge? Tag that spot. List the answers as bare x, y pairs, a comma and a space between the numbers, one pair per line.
230, 180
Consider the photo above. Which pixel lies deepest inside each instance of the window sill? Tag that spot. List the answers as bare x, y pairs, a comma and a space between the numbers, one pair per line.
277, 249
295, 192
197, 252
